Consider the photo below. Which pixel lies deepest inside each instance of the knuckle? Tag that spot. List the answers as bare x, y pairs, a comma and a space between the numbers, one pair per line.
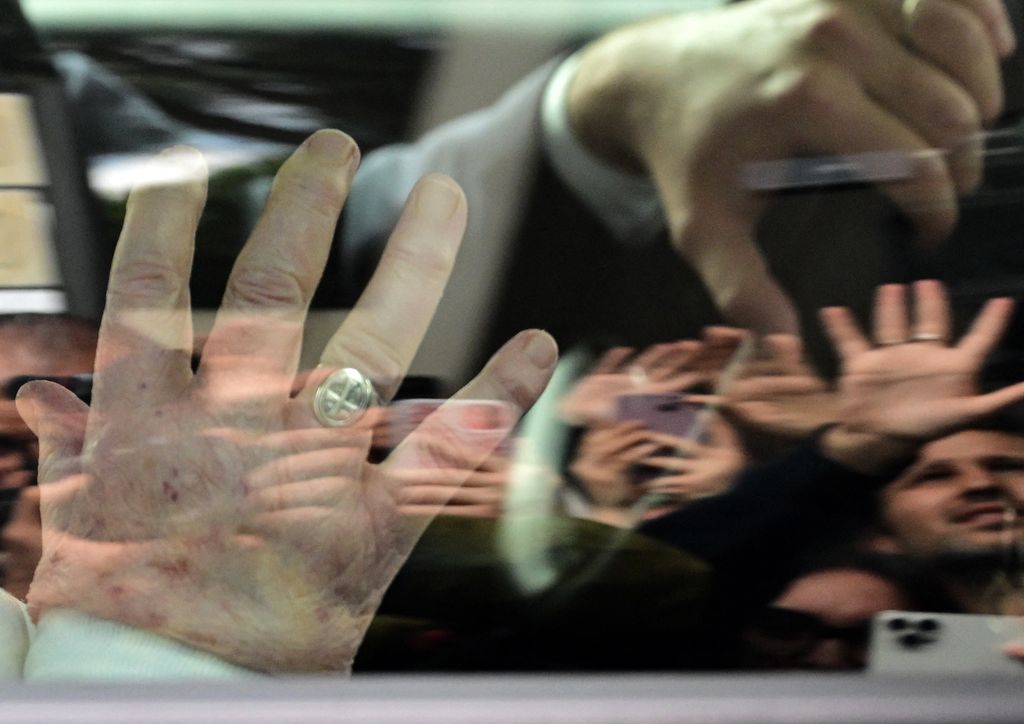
831, 26
366, 348
258, 287
959, 32
422, 263
807, 90
145, 278
315, 195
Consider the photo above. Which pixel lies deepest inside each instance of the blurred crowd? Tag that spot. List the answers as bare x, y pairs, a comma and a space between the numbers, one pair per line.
801, 507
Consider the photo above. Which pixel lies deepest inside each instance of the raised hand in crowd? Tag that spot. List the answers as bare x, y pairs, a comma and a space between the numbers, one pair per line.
687, 469
446, 488
218, 508
661, 368
604, 464
780, 394
693, 99
910, 383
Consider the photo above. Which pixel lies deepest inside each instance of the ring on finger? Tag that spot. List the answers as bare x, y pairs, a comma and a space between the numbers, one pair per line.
909, 12
927, 337
344, 397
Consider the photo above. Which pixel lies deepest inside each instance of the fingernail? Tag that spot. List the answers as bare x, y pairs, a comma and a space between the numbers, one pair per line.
333, 145
960, 120
541, 349
437, 198
175, 166
28, 408
1006, 38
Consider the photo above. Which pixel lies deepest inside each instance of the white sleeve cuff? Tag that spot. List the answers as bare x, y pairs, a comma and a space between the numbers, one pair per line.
15, 636
71, 645
626, 204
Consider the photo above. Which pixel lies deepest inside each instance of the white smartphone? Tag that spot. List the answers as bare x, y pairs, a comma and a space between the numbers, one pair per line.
911, 642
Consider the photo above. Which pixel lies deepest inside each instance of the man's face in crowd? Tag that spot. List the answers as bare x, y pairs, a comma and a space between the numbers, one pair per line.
960, 496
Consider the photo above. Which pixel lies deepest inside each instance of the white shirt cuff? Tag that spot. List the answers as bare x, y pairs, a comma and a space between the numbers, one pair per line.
71, 645
626, 204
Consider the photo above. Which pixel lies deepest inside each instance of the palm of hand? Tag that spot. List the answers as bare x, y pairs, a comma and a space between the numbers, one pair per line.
913, 386
791, 406
198, 501
907, 391
182, 504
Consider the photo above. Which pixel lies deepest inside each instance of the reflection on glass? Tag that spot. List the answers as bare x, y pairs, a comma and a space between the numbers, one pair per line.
21, 156
26, 253
771, 446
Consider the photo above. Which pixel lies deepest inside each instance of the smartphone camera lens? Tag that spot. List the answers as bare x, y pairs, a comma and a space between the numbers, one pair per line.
928, 625
911, 640
897, 624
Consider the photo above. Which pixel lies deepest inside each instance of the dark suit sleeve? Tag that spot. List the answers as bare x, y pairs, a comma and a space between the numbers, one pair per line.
775, 513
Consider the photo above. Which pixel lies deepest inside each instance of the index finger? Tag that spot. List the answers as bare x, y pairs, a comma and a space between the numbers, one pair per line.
145, 339
842, 329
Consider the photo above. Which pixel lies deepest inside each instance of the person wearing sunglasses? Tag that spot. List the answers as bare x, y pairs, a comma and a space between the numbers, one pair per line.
822, 618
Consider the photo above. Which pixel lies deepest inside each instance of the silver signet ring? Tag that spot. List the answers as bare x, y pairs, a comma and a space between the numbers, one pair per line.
342, 398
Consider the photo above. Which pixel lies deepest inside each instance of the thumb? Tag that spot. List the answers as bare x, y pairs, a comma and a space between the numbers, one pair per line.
981, 405
57, 417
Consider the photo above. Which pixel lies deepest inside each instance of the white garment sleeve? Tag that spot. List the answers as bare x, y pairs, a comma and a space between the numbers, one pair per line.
627, 204
15, 636
70, 645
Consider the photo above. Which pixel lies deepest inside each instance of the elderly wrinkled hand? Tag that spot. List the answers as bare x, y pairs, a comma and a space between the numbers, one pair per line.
214, 507
693, 99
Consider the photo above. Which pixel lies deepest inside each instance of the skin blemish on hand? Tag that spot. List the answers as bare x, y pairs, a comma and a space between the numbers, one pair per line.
155, 620
175, 569
202, 639
170, 492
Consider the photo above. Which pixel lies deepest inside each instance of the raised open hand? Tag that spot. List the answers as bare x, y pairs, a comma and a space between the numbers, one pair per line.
659, 369
912, 383
781, 394
689, 469
605, 460
214, 508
